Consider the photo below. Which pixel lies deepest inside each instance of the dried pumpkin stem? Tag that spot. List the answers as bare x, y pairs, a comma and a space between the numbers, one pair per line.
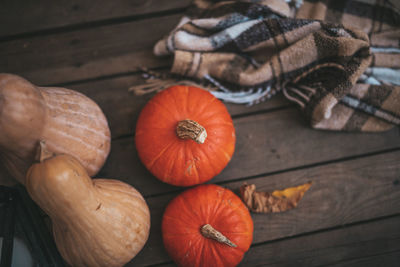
42, 152
189, 129
209, 232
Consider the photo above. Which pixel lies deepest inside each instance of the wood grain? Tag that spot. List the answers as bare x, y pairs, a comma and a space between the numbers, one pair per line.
366, 244
122, 108
87, 53
26, 16
339, 247
97, 49
266, 143
342, 193
387, 259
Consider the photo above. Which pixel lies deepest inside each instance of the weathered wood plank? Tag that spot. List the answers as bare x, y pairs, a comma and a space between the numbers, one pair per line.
390, 259
340, 247
367, 244
342, 193
20, 17
122, 108
385, 260
265, 143
86, 53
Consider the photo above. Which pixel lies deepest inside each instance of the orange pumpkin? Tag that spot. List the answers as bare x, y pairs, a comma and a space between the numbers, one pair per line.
207, 226
185, 136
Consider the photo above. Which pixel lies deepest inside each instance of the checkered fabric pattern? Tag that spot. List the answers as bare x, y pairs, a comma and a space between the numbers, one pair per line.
338, 60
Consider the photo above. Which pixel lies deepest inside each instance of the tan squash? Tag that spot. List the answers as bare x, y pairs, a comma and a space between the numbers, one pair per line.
97, 222
70, 122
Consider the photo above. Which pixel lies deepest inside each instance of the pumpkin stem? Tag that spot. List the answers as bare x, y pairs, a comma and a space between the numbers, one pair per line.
209, 232
190, 129
42, 153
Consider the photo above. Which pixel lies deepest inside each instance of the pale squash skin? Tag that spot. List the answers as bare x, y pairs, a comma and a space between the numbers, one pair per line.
97, 222
66, 120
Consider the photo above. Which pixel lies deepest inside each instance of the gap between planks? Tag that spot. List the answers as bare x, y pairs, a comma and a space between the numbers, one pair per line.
266, 143
275, 126
87, 53
335, 240
344, 193
339, 171
122, 107
313, 165
283, 171
338, 245
242, 115
253, 114
77, 15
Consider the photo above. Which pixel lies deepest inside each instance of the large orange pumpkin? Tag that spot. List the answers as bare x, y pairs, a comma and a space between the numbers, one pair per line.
185, 136
207, 226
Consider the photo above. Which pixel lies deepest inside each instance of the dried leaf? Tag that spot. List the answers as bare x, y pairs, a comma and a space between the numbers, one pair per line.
277, 201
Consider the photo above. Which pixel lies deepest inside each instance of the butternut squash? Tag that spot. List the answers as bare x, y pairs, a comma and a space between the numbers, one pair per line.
99, 222
68, 121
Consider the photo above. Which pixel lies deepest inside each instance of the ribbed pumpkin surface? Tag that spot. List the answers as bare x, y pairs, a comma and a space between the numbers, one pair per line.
77, 127
68, 121
184, 162
206, 204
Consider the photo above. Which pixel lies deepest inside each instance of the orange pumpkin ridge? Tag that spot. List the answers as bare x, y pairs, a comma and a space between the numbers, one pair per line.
189, 213
185, 136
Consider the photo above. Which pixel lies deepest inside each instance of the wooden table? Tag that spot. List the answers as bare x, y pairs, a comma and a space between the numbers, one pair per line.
349, 217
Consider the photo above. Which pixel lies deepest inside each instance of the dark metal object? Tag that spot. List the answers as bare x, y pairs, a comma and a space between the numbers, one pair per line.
17, 210
8, 228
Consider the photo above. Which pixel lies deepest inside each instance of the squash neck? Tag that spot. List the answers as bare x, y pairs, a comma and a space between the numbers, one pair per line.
42, 152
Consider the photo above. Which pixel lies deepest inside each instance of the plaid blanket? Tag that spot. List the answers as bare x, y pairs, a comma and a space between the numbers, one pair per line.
338, 60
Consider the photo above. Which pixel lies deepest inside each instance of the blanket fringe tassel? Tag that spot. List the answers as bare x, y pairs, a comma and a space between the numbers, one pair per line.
155, 82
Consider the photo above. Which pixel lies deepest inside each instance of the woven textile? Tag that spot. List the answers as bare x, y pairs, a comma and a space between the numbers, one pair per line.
338, 60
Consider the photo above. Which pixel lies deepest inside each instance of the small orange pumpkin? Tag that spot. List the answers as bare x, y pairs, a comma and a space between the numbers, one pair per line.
185, 136
207, 226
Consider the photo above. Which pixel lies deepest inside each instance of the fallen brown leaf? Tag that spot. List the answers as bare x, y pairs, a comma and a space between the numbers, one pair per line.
277, 201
